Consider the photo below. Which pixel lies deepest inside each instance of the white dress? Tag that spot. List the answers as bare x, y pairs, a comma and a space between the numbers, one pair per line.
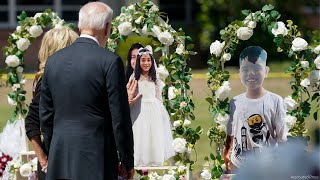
151, 126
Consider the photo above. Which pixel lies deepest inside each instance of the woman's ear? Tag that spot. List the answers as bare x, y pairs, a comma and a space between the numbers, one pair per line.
267, 71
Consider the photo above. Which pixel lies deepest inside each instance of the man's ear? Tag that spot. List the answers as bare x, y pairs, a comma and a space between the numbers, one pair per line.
106, 29
267, 71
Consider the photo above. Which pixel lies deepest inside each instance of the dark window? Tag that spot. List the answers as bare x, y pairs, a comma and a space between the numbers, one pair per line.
172, 7
29, 13
34, 2
3, 2
70, 15
3, 17
76, 2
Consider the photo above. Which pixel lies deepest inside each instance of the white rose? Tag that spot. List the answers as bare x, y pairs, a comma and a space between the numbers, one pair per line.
177, 123
156, 31
179, 145
163, 72
18, 28
280, 30
58, 26
35, 31
181, 169
317, 62
168, 177
172, 172
25, 170
183, 104
125, 28
304, 64
252, 24
244, 33
166, 38
153, 176
12, 61
138, 21
305, 82
222, 119
14, 36
131, 7
171, 93
299, 44
216, 48
222, 128
189, 150
290, 103
154, 8
249, 18
15, 87
317, 49
34, 161
23, 44
224, 91
314, 77
19, 69
17, 164
226, 56
37, 15
206, 175
23, 81
290, 120
180, 49
186, 123
145, 30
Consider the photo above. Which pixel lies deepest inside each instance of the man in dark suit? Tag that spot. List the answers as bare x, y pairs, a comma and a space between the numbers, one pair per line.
84, 109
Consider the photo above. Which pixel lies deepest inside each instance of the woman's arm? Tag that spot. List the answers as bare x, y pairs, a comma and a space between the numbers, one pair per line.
32, 125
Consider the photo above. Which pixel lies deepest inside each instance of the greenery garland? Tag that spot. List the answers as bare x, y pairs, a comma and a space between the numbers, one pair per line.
143, 18
287, 39
19, 41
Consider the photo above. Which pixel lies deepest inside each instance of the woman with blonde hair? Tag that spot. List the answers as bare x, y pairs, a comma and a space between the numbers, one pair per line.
53, 40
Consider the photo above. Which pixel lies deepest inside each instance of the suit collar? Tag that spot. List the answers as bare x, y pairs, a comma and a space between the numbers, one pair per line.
86, 40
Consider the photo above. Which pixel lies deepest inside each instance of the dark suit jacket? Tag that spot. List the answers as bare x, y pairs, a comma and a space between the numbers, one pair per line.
85, 114
32, 122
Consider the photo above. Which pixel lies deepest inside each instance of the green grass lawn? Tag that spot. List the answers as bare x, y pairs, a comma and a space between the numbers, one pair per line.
203, 118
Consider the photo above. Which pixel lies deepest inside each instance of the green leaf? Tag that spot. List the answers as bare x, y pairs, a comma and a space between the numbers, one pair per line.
315, 115
315, 95
245, 12
157, 49
22, 16
275, 14
190, 46
267, 7
212, 156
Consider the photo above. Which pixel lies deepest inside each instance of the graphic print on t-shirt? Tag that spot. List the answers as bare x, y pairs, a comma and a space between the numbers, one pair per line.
254, 133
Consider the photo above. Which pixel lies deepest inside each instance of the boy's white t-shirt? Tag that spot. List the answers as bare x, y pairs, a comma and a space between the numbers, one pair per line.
255, 123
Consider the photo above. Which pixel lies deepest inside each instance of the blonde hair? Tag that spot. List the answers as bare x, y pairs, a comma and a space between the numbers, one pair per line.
52, 41
94, 15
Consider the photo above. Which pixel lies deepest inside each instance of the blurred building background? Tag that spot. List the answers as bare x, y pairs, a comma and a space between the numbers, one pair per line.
201, 19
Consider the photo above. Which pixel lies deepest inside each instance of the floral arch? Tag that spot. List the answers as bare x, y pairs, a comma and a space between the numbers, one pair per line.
304, 70
142, 18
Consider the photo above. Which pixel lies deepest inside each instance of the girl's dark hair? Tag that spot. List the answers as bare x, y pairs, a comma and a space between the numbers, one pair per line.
138, 70
129, 70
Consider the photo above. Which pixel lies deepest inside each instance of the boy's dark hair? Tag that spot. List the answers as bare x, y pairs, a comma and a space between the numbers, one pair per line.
129, 70
253, 53
138, 70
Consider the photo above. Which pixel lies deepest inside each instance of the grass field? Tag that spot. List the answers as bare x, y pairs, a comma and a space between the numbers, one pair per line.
203, 118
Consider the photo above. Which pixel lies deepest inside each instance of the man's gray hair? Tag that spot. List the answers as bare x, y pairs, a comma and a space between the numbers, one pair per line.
94, 15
